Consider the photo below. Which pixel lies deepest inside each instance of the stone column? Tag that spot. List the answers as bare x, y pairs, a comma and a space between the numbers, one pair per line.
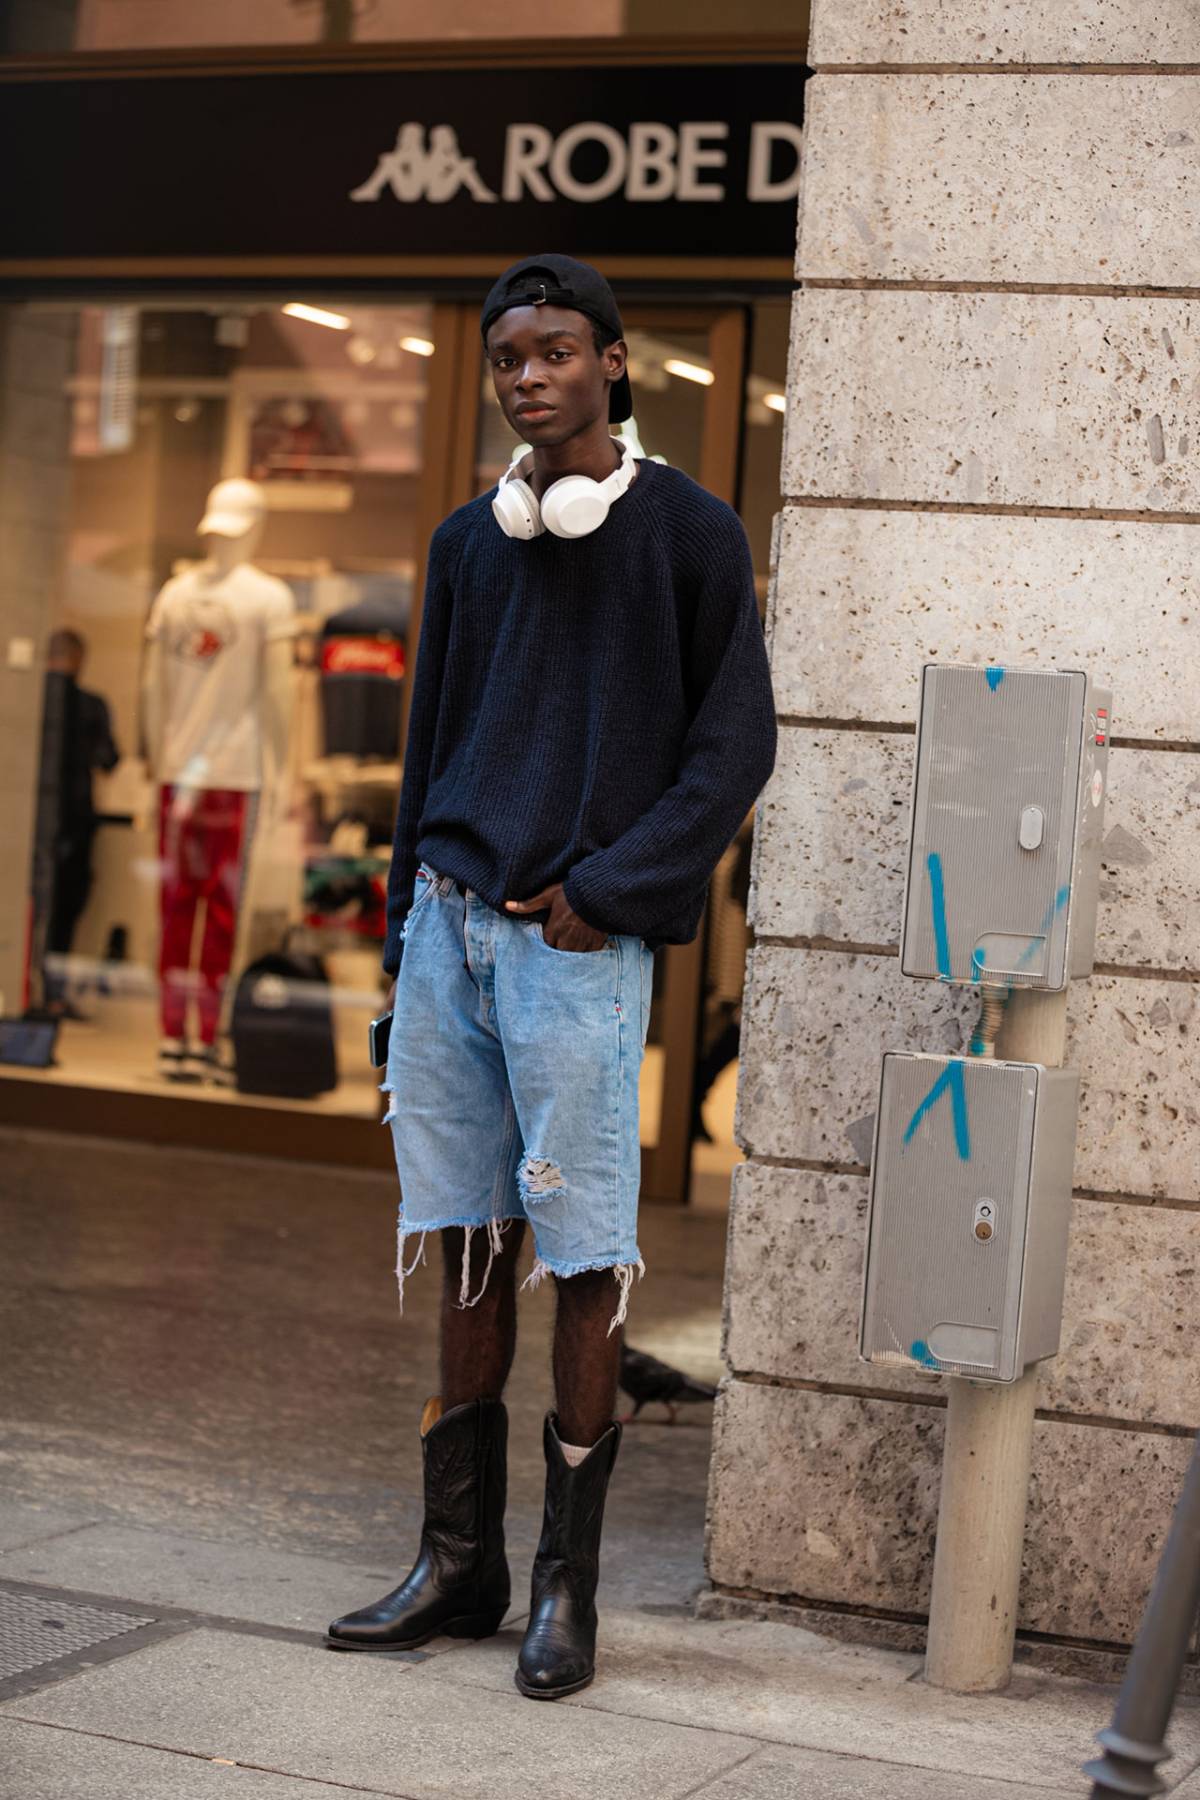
36, 351
992, 454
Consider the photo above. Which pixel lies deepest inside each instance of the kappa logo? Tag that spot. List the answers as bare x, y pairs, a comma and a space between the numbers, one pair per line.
653, 161
414, 172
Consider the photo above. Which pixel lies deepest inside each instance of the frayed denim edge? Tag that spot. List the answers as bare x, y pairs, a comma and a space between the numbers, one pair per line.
624, 1273
495, 1228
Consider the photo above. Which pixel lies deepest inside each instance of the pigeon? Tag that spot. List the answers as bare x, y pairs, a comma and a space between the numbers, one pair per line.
644, 1378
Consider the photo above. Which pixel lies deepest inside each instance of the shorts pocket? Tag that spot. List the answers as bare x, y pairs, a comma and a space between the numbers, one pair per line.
423, 887
569, 955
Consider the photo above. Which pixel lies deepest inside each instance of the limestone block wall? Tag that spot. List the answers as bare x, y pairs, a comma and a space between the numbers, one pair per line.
992, 453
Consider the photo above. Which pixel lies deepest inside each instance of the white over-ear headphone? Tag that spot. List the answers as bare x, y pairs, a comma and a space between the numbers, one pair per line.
571, 506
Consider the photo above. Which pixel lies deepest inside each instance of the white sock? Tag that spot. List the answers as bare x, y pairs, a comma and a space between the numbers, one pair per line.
575, 1453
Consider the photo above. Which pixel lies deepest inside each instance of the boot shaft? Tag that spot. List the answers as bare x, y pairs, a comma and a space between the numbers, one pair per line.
573, 1519
465, 1455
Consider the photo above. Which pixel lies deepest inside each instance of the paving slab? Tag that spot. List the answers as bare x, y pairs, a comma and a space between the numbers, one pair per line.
30, 1522
330, 1717
788, 1774
42, 1763
791, 1686
232, 1580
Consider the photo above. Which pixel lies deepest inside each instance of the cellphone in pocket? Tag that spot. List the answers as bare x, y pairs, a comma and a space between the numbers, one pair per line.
379, 1031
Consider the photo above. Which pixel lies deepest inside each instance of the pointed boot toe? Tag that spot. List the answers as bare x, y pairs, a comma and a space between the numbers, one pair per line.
548, 1670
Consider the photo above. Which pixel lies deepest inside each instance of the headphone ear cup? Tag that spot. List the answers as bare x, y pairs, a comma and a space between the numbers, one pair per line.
516, 511
573, 506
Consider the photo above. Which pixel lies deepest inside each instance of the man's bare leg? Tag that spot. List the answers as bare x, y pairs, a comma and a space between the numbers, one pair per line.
586, 1357
558, 1655
478, 1342
459, 1583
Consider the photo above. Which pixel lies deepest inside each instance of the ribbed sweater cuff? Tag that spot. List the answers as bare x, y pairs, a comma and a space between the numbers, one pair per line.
580, 898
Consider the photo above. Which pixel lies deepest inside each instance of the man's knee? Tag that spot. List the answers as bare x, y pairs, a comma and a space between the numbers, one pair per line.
582, 1292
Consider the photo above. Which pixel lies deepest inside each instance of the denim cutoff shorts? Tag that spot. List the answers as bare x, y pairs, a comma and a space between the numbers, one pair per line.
512, 1073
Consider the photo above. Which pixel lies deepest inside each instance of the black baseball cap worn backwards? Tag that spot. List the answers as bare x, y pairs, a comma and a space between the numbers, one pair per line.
562, 281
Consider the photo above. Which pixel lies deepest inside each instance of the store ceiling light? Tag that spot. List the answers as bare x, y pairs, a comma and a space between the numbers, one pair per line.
776, 402
316, 315
689, 371
418, 346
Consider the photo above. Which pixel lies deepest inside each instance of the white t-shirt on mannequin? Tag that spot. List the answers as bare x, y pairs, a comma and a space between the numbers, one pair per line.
211, 632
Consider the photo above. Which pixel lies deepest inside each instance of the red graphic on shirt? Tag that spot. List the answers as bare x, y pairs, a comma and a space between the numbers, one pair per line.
208, 629
363, 656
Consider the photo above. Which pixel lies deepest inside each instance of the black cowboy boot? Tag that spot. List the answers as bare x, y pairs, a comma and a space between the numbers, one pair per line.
459, 1583
559, 1653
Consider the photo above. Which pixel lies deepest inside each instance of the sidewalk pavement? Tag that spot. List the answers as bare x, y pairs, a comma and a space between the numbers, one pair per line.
218, 1685
208, 1449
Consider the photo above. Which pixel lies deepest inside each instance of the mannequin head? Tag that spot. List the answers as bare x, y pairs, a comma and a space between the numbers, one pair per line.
232, 526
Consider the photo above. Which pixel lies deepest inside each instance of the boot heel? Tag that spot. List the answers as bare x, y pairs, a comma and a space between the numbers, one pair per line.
475, 1625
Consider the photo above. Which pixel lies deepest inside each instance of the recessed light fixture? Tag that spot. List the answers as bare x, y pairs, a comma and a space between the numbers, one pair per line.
418, 346
317, 315
776, 402
689, 371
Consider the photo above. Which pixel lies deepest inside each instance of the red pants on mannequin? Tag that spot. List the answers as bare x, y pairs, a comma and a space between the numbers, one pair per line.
201, 848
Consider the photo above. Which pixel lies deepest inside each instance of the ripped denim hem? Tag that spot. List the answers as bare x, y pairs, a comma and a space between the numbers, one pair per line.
623, 1271
495, 1228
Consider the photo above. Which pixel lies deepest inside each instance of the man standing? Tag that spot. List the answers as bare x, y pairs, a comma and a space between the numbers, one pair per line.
591, 719
77, 739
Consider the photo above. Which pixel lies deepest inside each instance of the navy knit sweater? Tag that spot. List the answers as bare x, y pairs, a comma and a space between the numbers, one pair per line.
595, 711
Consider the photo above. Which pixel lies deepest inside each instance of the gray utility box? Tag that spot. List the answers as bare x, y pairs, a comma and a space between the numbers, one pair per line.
970, 1204
1007, 823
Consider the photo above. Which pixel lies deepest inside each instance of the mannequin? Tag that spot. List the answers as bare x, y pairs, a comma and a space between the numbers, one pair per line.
216, 695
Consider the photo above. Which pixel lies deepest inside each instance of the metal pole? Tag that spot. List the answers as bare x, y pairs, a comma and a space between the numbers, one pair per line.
986, 1460
1134, 1742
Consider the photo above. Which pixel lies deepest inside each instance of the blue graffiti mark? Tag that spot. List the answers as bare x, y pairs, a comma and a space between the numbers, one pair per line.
976, 1046
994, 678
952, 1077
1052, 911
979, 955
941, 937
921, 1353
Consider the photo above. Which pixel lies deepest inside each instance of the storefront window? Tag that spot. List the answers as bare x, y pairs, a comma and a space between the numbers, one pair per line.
57, 25
221, 746
220, 756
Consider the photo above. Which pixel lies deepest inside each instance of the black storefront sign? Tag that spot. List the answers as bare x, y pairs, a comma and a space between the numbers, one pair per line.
675, 160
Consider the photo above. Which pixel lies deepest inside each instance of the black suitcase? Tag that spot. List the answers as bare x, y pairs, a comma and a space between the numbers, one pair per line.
282, 1027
